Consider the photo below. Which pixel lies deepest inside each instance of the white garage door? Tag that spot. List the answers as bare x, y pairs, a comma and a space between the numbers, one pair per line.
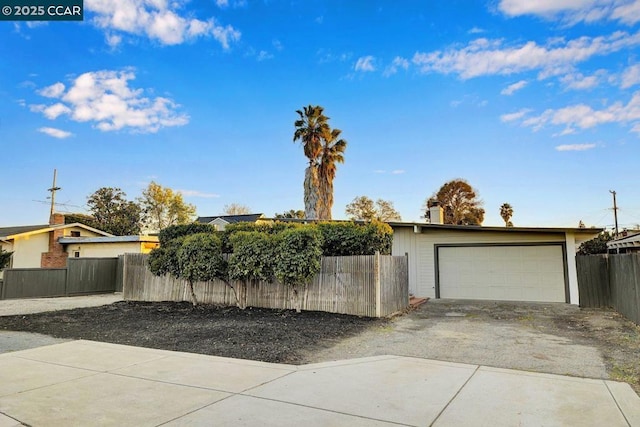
507, 273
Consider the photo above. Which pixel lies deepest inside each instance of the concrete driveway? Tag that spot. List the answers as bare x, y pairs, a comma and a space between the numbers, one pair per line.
547, 338
82, 383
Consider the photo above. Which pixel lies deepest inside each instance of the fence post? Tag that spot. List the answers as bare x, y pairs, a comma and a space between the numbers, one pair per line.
125, 260
66, 278
376, 271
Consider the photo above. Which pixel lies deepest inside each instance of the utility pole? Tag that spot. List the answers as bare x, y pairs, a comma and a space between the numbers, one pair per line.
53, 190
615, 212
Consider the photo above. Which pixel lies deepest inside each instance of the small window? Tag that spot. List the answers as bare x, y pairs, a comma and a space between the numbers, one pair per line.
75, 234
76, 254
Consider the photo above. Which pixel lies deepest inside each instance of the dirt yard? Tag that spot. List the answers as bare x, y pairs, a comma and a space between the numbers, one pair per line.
254, 333
552, 338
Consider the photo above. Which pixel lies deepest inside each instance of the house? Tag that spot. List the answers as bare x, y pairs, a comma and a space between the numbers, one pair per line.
221, 221
49, 245
38, 246
628, 242
108, 246
491, 263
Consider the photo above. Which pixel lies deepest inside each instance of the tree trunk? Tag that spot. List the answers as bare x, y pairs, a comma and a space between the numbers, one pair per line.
325, 197
194, 300
237, 294
311, 192
296, 299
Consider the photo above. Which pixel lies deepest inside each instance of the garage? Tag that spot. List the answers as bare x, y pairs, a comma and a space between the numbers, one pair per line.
534, 272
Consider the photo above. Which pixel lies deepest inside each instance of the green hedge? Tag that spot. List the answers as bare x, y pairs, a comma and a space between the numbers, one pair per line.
338, 238
174, 231
348, 238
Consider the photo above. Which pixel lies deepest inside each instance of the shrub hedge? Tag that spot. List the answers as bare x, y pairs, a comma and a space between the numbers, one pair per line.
338, 238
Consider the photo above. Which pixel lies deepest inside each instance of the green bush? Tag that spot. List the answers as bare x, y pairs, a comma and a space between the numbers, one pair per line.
5, 257
200, 258
164, 259
174, 231
298, 259
348, 238
262, 227
253, 255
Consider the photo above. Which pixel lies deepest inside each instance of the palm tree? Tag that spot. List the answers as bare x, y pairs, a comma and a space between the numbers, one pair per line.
332, 152
506, 212
311, 129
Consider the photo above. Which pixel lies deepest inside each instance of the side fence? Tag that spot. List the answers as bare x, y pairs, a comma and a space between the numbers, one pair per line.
374, 286
81, 276
610, 281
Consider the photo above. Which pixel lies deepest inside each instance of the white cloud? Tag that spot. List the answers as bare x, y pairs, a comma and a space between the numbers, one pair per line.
56, 133
393, 172
326, 56
547, 8
157, 19
510, 117
53, 91
196, 193
513, 88
113, 40
365, 64
575, 147
226, 3
263, 55
36, 24
397, 63
628, 13
105, 98
630, 76
573, 11
578, 81
483, 57
476, 30
469, 99
51, 112
581, 116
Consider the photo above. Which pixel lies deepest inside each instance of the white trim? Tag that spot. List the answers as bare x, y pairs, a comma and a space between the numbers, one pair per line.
572, 271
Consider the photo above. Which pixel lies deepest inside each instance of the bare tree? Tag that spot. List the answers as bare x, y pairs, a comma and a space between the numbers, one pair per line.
236, 209
363, 208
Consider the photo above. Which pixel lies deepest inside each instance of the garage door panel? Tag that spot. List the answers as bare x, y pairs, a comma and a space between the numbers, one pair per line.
520, 273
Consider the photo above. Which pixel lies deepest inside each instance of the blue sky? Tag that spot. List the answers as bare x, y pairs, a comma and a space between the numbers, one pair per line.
534, 103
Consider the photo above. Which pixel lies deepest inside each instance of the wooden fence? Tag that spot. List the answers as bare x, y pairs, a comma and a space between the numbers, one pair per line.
81, 276
610, 281
374, 286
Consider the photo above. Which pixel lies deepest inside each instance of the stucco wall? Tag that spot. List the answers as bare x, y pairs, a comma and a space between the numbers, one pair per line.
421, 253
27, 250
104, 250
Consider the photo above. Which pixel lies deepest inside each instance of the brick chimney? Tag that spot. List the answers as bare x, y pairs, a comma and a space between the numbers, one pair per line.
56, 257
56, 219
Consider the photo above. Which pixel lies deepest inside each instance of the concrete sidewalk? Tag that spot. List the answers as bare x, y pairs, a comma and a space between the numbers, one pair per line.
86, 383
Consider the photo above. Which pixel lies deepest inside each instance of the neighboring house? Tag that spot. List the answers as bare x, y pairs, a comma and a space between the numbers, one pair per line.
221, 221
38, 246
49, 245
106, 247
491, 263
625, 244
